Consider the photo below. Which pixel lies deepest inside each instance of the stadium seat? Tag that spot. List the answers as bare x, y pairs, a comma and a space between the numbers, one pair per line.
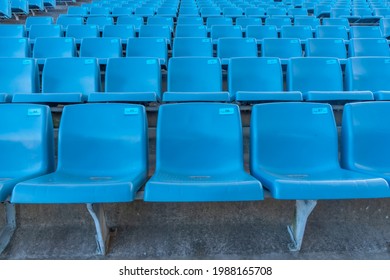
188, 30
365, 32
156, 31
255, 12
77, 11
37, 31
276, 11
65, 80
167, 12
65, 21
5, 11
244, 22
148, 47
160, 20
210, 12
199, 156
326, 47
22, 157
190, 46
294, 171
381, 12
365, 137
224, 31
18, 75
282, 48
258, 79
313, 22
19, 7
189, 20
340, 12
100, 21
322, 10
122, 11
320, 79
332, 31
228, 48
53, 47
278, 21
301, 32
336, 21
261, 32
218, 21
14, 47
41, 20
145, 11
12, 30
124, 32
232, 12
137, 22
369, 73
101, 48
79, 32
195, 79
368, 47
100, 11
36, 5
112, 173
297, 12
188, 12
130, 79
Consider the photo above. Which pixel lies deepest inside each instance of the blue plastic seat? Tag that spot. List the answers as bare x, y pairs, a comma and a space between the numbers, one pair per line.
297, 12
100, 21
340, 12
228, 48
112, 173
167, 11
199, 156
99, 11
320, 79
365, 137
301, 32
255, 12
258, 80
313, 22
326, 47
19, 7
40, 20
232, 12
65, 80
188, 30
261, 32
307, 168
322, 10
77, 11
278, 21
101, 48
189, 20
148, 47
365, 32
122, 11
369, 73
36, 5
244, 22
210, 12
156, 31
218, 21
22, 157
276, 11
12, 30
5, 9
160, 20
145, 11
282, 48
37, 31
192, 46
14, 47
131, 79
65, 21
53, 47
225, 31
188, 11
136, 21
336, 21
18, 75
381, 12
195, 79
79, 32
368, 47
124, 32
332, 31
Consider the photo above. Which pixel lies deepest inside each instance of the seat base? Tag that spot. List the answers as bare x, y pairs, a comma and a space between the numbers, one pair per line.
222, 96
123, 97
44, 98
338, 96
248, 96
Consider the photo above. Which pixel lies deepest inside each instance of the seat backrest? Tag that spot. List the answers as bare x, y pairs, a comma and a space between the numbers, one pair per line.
254, 74
65, 20
160, 31
199, 139
303, 138
245, 21
278, 21
18, 75
302, 32
221, 31
194, 74
26, 141
261, 32
332, 31
365, 136
367, 73
340, 12
54, 47
160, 20
42, 30
326, 47
368, 47
210, 11
119, 31
314, 74
362, 12
100, 11
365, 32
281, 47
118, 11
41, 20
236, 47
14, 47
103, 140
130, 20
12, 30
232, 12
192, 46
145, 11
71, 75
336, 21
101, 47
254, 12
297, 12
147, 47
80, 11
218, 21
275, 11
189, 20
133, 74
313, 22
100, 21
188, 30
82, 31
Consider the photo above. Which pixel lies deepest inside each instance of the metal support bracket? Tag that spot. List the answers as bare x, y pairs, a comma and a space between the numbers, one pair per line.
102, 231
303, 209
8, 230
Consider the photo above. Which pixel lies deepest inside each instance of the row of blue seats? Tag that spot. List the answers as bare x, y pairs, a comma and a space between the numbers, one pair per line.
227, 48
73, 80
103, 156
